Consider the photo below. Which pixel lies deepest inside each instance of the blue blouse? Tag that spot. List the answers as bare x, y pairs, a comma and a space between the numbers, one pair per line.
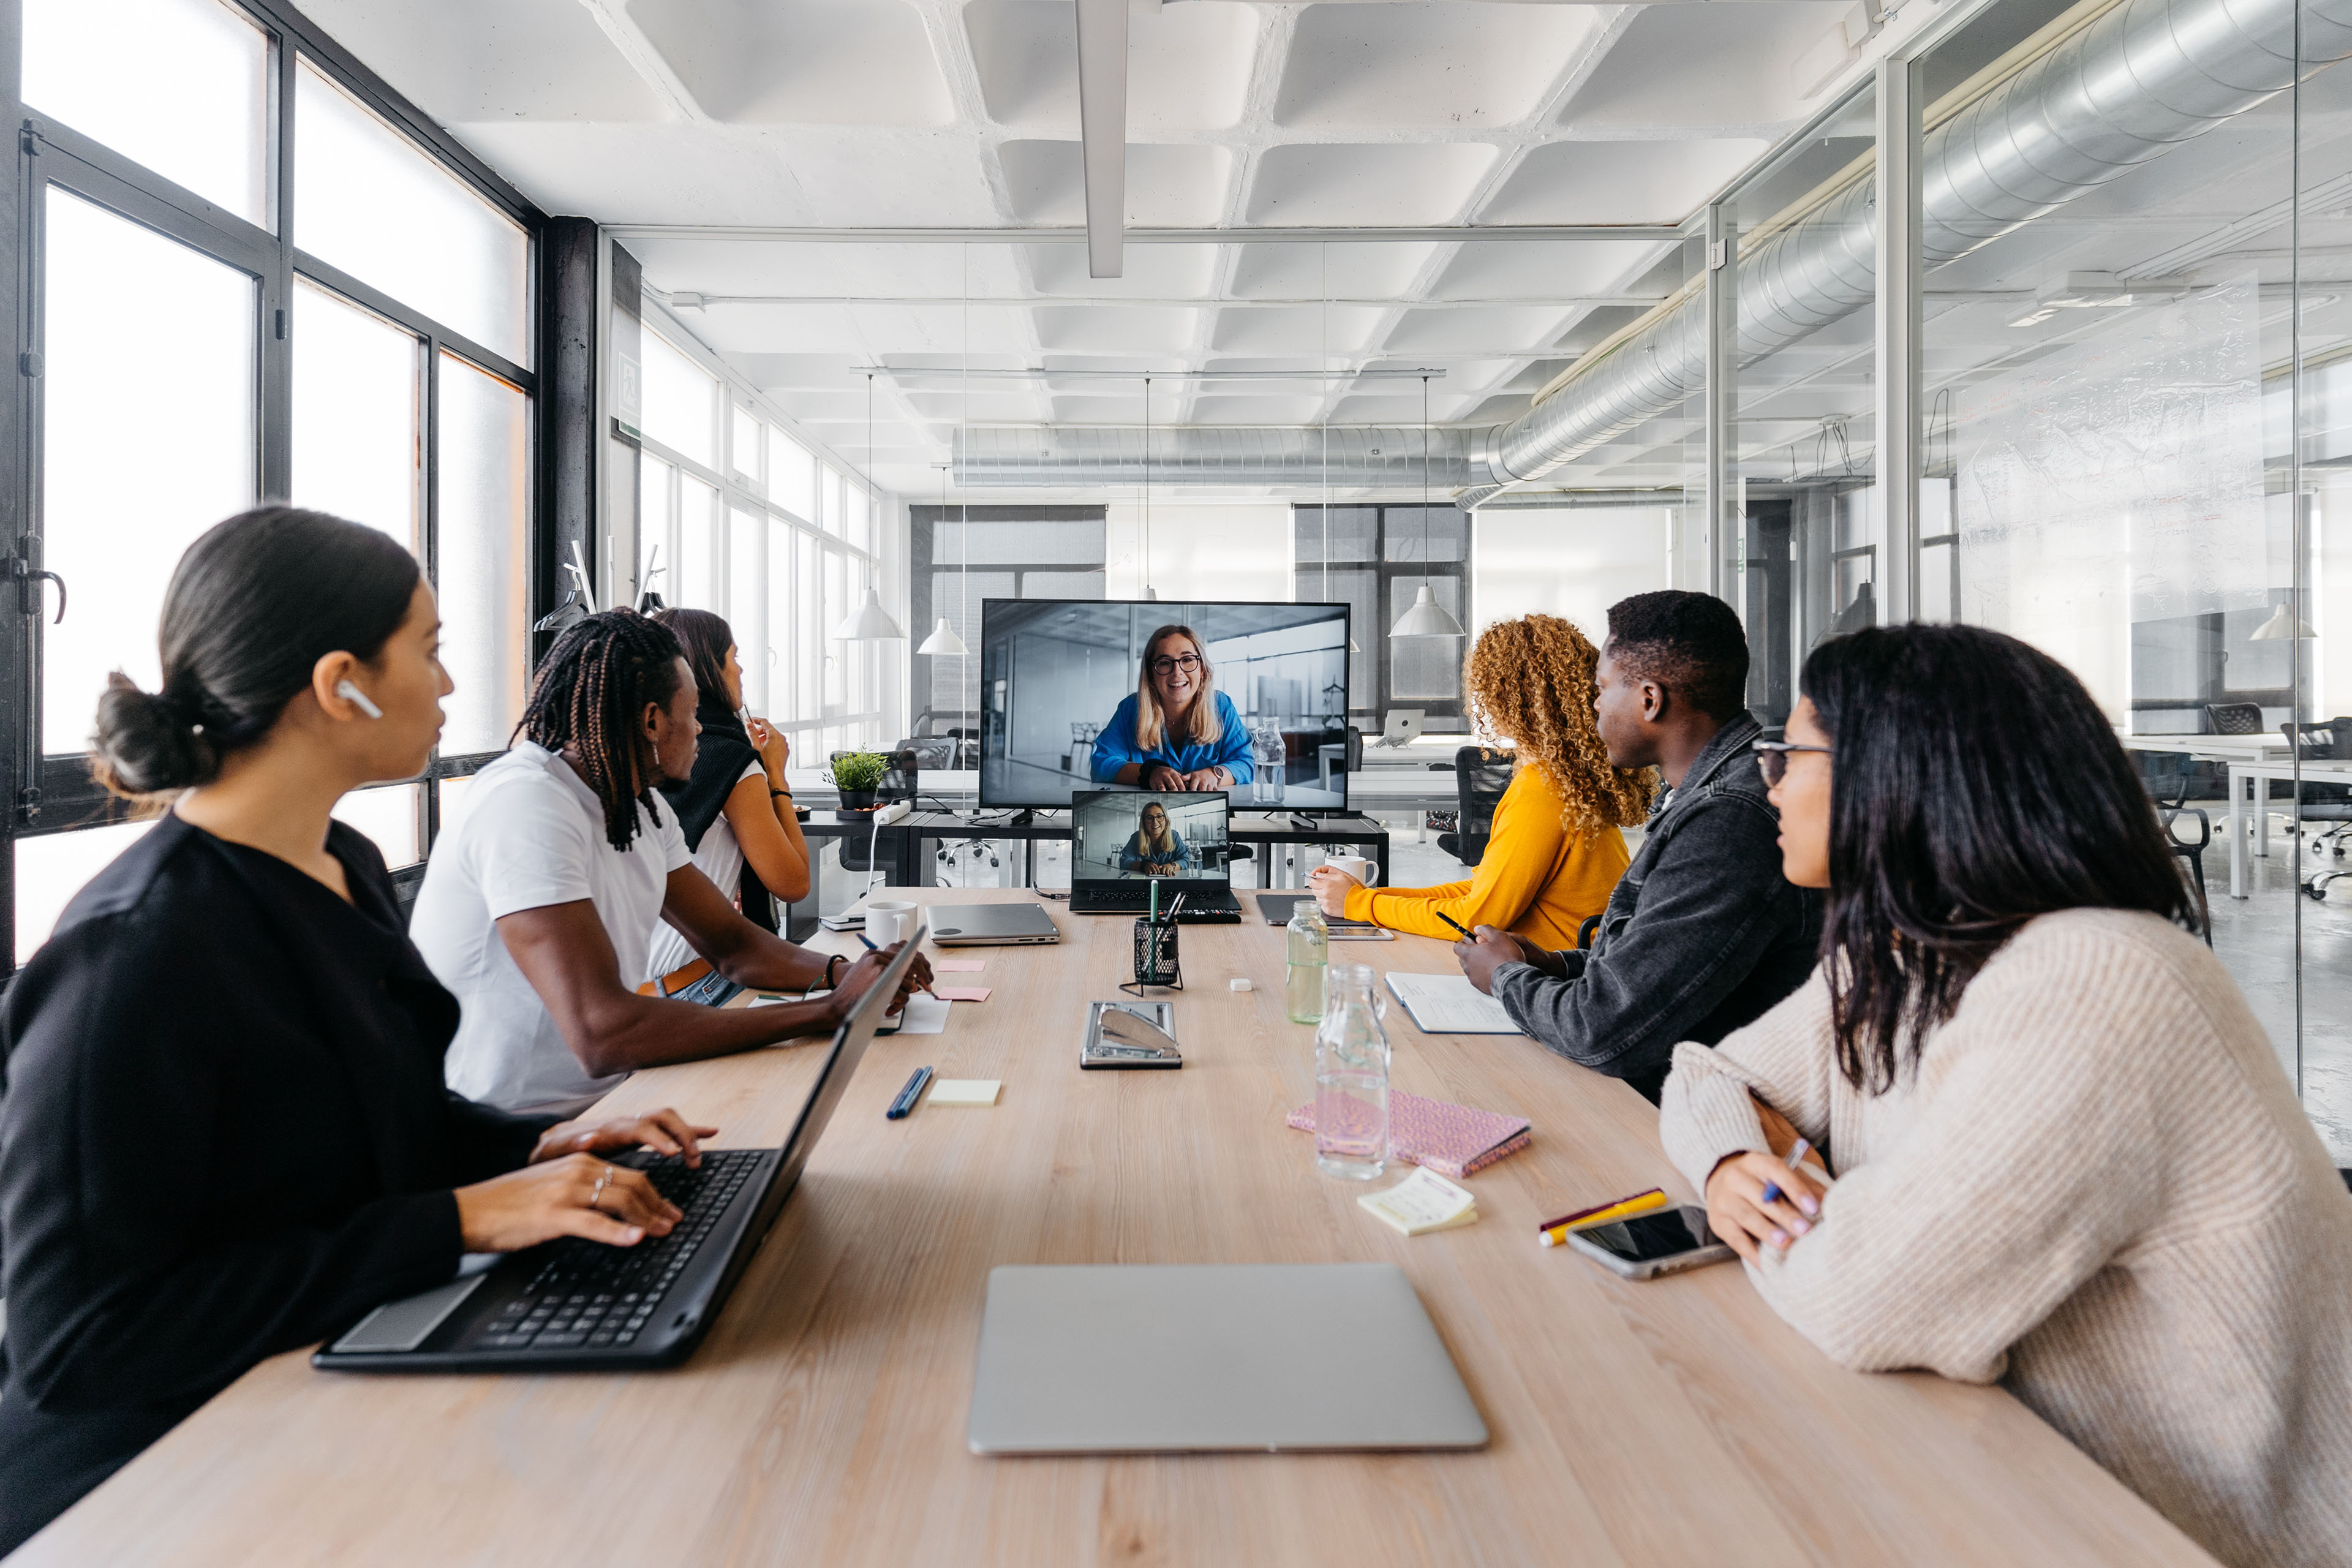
1116, 746
1135, 856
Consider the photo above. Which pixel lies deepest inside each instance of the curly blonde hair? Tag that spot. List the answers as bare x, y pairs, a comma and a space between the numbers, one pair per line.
1531, 681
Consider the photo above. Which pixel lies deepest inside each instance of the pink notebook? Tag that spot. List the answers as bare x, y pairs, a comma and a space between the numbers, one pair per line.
1451, 1139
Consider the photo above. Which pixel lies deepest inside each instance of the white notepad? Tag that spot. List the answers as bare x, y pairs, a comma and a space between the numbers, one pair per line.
1450, 1004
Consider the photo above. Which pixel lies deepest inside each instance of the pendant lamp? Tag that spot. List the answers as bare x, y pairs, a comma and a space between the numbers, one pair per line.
1427, 617
869, 622
2282, 626
943, 643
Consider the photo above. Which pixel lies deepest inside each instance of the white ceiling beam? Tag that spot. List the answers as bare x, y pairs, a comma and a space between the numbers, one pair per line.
1102, 129
647, 60
1437, 234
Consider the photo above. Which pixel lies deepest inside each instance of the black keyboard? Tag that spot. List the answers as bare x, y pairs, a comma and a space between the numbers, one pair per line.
1199, 909
586, 1293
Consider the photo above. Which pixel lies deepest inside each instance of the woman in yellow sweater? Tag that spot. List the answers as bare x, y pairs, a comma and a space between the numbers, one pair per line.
1555, 852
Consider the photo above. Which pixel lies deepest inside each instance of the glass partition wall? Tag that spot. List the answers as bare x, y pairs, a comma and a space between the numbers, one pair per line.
2120, 379
214, 317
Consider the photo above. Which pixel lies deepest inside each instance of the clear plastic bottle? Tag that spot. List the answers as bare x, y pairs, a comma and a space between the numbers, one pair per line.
1309, 943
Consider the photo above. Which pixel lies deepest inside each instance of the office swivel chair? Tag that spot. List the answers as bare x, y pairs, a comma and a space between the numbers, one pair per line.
2166, 776
1480, 777
2323, 802
2234, 718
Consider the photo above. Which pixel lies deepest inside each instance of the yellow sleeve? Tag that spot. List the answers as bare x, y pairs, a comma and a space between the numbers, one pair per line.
1522, 851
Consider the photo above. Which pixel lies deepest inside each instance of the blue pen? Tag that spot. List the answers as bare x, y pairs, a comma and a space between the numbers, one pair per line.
907, 1096
1772, 1194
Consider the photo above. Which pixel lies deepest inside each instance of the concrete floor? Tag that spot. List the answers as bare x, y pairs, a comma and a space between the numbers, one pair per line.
2255, 938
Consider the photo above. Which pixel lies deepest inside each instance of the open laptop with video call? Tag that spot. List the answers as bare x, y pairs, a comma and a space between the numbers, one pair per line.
1124, 841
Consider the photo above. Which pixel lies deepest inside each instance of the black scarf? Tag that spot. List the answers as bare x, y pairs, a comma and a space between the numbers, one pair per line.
720, 756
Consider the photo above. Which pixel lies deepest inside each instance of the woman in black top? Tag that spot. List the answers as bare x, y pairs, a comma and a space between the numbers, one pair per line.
224, 1132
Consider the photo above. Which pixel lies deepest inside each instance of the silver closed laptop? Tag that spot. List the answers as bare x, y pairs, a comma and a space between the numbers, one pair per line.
991, 925
1089, 1358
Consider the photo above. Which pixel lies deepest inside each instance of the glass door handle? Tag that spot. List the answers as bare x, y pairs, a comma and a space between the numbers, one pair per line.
31, 576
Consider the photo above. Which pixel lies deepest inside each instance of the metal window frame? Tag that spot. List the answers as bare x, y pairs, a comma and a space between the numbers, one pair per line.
53, 793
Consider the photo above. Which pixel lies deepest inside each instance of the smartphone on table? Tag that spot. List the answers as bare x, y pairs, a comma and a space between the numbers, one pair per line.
1648, 1244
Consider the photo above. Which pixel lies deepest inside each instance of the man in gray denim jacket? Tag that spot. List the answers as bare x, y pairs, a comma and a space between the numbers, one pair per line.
1703, 933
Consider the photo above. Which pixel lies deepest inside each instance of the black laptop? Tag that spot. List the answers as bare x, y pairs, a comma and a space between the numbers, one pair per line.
579, 1306
1126, 843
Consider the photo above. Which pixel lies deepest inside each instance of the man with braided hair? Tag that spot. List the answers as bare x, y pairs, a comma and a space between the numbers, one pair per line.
539, 908
1703, 933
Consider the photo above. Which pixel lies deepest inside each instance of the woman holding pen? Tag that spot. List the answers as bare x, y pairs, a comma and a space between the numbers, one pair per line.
2067, 1160
1555, 851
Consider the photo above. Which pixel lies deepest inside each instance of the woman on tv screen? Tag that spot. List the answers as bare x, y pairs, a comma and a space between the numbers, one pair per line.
1177, 732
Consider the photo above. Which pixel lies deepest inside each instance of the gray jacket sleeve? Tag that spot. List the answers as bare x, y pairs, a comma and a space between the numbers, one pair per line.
1712, 904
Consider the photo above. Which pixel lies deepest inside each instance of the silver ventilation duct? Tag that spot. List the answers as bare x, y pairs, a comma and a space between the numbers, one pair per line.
1195, 455
2137, 82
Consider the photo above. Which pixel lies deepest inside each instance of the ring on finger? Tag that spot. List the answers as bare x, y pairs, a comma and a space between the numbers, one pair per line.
603, 1179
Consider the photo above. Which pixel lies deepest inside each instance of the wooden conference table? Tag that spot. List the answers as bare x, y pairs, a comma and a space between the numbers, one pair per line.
823, 1422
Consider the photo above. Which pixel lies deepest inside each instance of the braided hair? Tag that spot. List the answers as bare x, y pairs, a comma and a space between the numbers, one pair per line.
590, 692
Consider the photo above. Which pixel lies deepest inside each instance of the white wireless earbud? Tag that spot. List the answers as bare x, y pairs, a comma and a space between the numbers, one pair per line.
357, 698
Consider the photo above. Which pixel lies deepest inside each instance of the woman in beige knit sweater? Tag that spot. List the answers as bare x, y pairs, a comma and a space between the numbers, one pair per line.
2066, 1159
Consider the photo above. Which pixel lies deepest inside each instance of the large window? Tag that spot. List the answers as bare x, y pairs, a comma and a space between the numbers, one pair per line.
1376, 559
958, 556
250, 281
738, 516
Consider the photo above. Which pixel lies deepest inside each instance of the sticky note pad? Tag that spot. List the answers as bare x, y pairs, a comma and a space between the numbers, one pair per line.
1423, 1202
958, 965
969, 1092
962, 993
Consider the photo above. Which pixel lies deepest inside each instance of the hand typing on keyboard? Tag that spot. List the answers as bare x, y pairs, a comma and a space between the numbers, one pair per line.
664, 1132
602, 1296
567, 1190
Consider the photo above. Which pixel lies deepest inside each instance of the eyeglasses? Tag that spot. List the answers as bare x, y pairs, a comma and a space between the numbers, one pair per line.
1187, 662
1772, 757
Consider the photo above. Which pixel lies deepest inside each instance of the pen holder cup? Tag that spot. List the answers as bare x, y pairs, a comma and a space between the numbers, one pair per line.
1155, 954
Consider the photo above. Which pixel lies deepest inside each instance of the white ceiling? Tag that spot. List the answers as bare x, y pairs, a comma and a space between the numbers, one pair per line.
963, 113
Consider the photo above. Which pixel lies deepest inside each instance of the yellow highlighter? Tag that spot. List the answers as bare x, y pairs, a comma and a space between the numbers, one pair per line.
1625, 1208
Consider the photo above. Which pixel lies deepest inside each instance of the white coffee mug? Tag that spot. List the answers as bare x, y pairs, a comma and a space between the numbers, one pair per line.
1355, 866
887, 922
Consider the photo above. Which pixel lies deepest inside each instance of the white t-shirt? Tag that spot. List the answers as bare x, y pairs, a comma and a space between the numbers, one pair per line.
533, 836
722, 860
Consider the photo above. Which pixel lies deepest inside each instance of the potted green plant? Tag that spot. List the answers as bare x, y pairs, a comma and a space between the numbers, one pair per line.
858, 775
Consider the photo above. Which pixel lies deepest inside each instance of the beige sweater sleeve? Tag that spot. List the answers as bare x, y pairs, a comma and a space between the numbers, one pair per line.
2028, 1156
1784, 1058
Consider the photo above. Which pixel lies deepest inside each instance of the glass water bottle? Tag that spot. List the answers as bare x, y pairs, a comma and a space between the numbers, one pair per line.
1352, 1077
1310, 941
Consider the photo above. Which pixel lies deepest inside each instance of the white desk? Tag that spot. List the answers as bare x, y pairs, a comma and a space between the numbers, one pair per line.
2213, 748
2245, 778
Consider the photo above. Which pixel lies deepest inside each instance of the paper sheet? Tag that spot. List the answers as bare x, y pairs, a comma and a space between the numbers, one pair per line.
958, 965
1450, 1004
962, 993
924, 1016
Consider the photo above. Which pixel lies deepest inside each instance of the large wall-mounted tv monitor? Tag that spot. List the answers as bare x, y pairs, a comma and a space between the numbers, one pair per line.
1059, 698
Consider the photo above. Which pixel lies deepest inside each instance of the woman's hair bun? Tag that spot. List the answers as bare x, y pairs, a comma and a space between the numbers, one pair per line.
147, 743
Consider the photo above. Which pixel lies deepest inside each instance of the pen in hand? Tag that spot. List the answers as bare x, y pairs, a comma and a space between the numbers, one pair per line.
1797, 1152
1449, 919
871, 948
